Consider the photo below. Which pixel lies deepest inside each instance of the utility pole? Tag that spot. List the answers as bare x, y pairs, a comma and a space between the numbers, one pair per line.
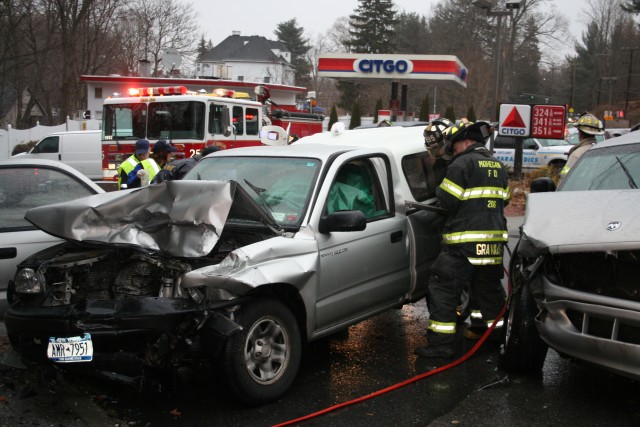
626, 98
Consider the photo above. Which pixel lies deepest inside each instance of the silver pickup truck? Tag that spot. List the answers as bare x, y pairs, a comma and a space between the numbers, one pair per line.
256, 252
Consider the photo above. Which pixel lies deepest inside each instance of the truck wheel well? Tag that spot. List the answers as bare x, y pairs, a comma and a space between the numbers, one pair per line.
290, 296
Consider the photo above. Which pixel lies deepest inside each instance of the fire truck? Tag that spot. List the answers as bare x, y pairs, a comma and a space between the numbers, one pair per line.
191, 120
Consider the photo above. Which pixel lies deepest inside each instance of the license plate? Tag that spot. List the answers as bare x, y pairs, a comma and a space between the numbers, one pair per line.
70, 349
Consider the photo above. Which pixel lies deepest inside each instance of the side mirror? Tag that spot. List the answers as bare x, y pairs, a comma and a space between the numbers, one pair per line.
542, 185
342, 221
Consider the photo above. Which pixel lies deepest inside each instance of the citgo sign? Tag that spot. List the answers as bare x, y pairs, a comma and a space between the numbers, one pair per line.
515, 120
383, 65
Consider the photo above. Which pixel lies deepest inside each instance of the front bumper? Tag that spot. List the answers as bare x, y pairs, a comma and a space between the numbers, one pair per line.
146, 331
598, 329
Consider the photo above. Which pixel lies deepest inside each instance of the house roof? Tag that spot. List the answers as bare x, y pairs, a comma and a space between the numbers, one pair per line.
237, 47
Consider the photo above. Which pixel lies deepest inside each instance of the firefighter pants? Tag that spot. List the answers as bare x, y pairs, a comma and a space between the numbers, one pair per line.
450, 273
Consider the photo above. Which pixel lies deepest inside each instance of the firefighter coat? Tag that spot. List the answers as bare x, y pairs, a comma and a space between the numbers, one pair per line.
475, 191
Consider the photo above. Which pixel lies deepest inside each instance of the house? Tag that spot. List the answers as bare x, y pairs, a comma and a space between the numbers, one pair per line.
247, 58
20, 109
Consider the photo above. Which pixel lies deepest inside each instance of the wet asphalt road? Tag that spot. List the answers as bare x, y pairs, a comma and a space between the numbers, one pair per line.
373, 355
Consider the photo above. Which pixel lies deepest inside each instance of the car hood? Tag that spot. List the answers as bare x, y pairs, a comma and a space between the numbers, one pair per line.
180, 218
581, 221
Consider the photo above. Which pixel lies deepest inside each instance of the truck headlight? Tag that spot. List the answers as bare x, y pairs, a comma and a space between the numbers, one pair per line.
28, 281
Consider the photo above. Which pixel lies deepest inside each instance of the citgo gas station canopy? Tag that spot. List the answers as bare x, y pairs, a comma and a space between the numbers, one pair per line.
397, 68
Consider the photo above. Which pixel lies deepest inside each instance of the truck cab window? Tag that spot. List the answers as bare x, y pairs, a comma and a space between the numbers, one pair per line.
357, 187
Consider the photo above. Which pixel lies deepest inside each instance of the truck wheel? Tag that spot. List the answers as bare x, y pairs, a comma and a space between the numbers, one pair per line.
262, 360
522, 349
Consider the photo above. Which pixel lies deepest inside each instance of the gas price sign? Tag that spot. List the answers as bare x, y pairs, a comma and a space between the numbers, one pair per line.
548, 121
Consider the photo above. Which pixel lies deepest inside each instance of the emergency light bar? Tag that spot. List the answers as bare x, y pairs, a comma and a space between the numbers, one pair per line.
223, 93
164, 90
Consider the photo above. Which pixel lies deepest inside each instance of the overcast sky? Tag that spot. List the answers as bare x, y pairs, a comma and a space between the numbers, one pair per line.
261, 17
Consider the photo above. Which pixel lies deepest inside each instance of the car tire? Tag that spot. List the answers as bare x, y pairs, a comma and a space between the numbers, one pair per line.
522, 349
262, 360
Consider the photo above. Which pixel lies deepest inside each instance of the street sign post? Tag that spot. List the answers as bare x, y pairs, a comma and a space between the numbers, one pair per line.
548, 121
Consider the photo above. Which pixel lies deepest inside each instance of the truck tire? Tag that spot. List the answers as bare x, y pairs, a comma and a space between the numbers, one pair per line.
262, 360
522, 349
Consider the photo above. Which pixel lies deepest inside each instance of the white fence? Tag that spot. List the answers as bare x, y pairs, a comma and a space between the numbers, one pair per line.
10, 137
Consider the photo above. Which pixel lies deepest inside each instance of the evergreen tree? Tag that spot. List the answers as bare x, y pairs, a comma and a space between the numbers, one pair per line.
526, 76
372, 27
424, 109
471, 114
333, 117
450, 114
411, 34
356, 116
349, 91
291, 35
377, 108
202, 46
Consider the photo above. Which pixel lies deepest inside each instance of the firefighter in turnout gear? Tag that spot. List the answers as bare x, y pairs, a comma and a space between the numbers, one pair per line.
474, 193
588, 127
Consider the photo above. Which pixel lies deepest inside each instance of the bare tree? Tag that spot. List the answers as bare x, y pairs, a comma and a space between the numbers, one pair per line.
153, 26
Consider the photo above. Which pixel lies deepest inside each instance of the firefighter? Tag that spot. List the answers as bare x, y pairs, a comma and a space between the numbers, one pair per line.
474, 193
138, 169
588, 127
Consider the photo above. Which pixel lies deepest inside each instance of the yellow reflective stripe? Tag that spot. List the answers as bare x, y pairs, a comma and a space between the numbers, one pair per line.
452, 188
476, 192
499, 323
485, 261
485, 192
442, 327
565, 170
476, 236
476, 314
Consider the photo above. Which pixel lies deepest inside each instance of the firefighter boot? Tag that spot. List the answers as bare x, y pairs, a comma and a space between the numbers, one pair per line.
440, 346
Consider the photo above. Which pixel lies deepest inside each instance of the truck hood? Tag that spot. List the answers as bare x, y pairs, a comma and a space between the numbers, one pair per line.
180, 218
581, 221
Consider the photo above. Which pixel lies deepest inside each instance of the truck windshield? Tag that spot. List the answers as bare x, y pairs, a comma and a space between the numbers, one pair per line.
281, 185
610, 168
155, 120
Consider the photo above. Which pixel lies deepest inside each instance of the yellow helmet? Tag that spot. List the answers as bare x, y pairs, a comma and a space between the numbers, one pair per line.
589, 124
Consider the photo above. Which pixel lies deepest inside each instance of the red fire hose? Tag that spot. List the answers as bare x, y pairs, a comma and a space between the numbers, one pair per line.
411, 380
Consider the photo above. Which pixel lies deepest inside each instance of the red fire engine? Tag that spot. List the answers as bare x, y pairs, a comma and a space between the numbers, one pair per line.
192, 120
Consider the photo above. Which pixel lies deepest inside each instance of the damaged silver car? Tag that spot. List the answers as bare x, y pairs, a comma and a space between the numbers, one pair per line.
575, 271
256, 252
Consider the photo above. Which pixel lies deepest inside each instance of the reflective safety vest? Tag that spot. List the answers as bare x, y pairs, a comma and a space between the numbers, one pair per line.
130, 164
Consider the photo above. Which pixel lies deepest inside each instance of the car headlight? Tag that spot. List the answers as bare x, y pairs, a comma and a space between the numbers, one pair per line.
27, 281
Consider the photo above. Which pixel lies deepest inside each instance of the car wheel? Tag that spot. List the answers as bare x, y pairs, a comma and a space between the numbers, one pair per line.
522, 348
262, 360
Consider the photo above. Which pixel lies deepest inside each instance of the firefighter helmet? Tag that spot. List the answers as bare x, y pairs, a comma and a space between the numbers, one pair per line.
464, 129
434, 137
589, 124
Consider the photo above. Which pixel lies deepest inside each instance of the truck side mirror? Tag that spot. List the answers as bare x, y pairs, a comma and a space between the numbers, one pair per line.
342, 221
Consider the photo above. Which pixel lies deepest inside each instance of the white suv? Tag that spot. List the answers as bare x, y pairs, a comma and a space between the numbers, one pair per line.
536, 152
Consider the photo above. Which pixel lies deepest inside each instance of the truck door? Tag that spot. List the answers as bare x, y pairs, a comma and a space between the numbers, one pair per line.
364, 271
